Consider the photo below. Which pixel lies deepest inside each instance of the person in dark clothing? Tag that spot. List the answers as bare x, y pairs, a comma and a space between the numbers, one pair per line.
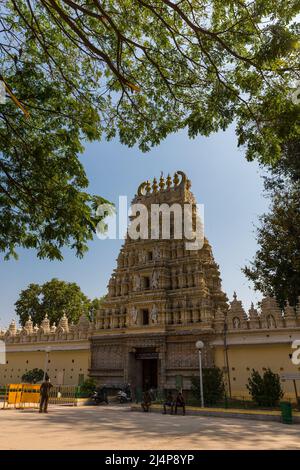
169, 402
102, 391
146, 403
105, 395
180, 403
44, 393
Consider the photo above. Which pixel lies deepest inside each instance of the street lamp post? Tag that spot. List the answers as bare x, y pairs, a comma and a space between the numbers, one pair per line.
47, 351
200, 346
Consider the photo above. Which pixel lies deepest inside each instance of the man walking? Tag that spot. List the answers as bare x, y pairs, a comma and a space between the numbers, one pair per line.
44, 393
146, 403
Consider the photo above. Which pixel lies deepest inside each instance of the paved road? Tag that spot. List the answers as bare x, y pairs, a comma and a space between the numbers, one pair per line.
116, 427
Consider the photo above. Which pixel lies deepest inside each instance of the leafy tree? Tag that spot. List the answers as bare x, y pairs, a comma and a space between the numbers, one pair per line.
213, 385
275, 269
286, 171
265, 390
43, 202
139, 70
53, 298
33, 376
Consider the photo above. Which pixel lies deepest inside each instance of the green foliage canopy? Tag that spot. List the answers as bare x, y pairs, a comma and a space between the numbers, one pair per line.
275, 269
33, 376
53, 298
137, 70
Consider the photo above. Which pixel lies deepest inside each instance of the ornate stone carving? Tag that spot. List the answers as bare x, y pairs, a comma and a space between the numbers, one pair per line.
271, 315
254, 320
133, 314
29, 326
137, 282
237, 317
64, 324
12, 329
290, 319
45, 325
156, 252
154, 314
155, 279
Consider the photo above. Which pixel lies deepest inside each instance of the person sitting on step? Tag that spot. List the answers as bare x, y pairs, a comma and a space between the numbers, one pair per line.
179, 402
169, 402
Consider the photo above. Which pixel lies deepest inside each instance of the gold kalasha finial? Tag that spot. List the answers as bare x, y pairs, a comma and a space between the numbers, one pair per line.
162, 182
155, 185
169, 182
179, 181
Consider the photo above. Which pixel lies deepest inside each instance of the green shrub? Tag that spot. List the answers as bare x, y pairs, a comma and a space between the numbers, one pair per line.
87, 387
265, 390
213, 385
33, 376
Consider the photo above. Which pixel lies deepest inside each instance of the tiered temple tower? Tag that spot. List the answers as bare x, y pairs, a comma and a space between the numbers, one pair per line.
161, 298
159, 281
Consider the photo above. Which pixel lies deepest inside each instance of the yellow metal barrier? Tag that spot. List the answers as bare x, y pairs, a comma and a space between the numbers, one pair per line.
63, 395
28, 395
20, 395
14, 394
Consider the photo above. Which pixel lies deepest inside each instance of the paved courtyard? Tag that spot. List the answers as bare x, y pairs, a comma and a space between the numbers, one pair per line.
116, 428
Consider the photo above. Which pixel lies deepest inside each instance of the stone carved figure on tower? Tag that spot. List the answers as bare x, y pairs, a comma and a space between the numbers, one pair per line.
155, 279
154, 314
142, 257
12, 329
156, 253
133, 313
271, 321
29, 325
137, 282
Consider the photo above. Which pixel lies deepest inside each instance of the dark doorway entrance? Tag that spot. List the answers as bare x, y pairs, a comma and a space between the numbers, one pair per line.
149, 373
145, 314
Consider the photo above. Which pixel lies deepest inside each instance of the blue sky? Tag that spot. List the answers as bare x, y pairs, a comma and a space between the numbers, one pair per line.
229, 187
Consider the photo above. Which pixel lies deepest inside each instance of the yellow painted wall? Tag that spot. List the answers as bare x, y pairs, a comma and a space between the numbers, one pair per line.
73, 363
243, 358
70, 364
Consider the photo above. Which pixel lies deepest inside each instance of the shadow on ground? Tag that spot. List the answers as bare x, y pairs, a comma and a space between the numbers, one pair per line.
117, 427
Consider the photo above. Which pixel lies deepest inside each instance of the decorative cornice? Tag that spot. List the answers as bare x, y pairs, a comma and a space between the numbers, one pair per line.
47, 333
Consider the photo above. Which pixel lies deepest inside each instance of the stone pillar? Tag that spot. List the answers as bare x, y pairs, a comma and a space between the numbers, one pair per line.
162, 357
175, 313
174, 279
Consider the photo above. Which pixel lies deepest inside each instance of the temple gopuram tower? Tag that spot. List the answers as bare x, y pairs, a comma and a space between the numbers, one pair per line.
162, 298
